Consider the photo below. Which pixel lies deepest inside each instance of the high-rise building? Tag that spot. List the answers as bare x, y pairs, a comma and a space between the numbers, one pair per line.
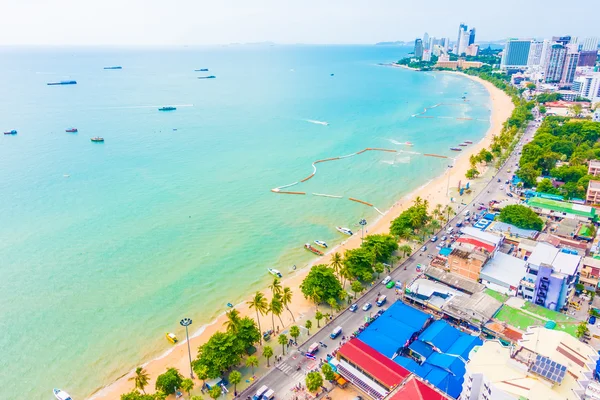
419, 48
426, 55
535, 53
590, 44
463, 44
516, 54
426, 41
544, 56
555, 62
571, 61
472, 50
471, 36
461, 28
446, 44
564, 40
588, 58
588, 86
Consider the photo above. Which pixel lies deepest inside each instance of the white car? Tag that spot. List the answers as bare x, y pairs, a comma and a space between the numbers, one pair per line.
367, 306
386, 280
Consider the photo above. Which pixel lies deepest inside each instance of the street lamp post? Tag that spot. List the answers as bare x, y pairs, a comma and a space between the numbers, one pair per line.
187, 322
448, 184
362, 224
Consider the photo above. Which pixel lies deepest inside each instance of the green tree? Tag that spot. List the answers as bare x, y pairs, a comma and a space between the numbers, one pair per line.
169, 381
276, 308
543, 110
276, 287
286, 300
545, 186
140, 379
356, 287
160, 395
406, 249
582, 329
294, 333
196, 398
187, 385
379, 268
260, 304
252, 361
215, 392
201, 371
235, 377
333, 304
383, 246
318, 317
233, 320
528, 174
222, 351
530, 86
522, 217
308, 325
248, 333
267, 353
337, 262
472, 173
282, 340
314, 381
327, 372
321, 283
135, 395
359, 262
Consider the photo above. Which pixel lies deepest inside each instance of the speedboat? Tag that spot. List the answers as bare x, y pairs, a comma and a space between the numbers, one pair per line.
62, 83
61, 394
455, 149
201, 70
468, 142
408, 143
321, 243
97, 139
207, 77
463, 144
229, 305
13, 132
168, 108
275, 273
171, 337
313, 250
345, 231
71, 130
114, 67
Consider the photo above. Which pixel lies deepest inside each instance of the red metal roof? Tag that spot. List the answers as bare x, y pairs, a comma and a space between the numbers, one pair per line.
415, 389
477, 243
374, 363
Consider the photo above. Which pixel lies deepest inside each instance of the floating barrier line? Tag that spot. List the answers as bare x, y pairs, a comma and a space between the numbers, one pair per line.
435, 155
360, 201
284, 192
327, 195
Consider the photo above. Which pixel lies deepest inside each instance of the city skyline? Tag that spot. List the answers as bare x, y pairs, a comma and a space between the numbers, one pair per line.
68, 22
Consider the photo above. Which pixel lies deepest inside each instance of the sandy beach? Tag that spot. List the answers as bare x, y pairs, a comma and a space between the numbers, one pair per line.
434, 192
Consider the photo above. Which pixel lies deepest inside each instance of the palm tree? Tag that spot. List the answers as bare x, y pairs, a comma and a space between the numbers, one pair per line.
336, 263
267, 353
282, 340
418, 201
333, 304
294, 333
201, 372
308, 325
318, 317
187, 385
215, 392
233, 321
235, 377
275, 287
286, 299
259, 303
448, 210
252, 362
276, 308
346, 275
406, 249
315, 297
140, 379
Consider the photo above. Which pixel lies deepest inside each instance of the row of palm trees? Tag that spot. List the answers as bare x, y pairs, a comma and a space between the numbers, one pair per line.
281, 299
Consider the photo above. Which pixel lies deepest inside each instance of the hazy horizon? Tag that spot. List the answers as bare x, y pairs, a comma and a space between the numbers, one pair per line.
185, 22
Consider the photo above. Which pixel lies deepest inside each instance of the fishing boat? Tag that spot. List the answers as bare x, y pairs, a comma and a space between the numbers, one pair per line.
229, 305
171, 337
275, 273
201, 70
62, 83
97, 139
71, 130
321, 243
207, 77
13, 132
455, 149
463, 144
345, 231
115, 67
313, 250
168, 108
468, 142
61, 394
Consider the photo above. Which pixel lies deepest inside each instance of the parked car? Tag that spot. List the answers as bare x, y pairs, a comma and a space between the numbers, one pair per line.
434, 238
386, 280
390, 284
444, 237
367, 306
353, 308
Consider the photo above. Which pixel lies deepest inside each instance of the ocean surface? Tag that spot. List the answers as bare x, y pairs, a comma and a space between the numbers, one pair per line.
104, 247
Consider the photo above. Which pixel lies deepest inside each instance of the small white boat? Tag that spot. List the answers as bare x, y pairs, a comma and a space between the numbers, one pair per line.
61, 395
275, 273
345, 231
321, 243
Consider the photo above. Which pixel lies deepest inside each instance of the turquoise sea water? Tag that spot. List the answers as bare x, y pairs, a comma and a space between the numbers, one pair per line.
104, 247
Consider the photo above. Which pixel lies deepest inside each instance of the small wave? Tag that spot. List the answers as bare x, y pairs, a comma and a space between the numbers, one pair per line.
397, 143
402, 160
314, 121
388, 162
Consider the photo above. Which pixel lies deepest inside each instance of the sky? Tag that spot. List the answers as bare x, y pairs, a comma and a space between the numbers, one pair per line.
199, 22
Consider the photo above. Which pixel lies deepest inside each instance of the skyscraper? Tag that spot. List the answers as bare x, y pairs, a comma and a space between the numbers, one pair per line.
564, 40
571, 60
555, 62
461, 28
463, 43
471, 36
516, 54
587, 58
419, 48
535, 53
426, 41
590, 44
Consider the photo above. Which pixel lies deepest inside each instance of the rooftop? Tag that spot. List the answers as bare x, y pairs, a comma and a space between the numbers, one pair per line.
454, 280
414, 388
594, 164
480, 304
477, 243
504, 269
432, 292
595, 184
543, 254
513, 230
562, 206
481, 235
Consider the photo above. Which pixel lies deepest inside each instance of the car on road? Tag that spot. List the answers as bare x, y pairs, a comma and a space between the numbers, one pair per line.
386, 280
367, 306
353, 308
499, 180
444, 237
459, 224
501, 187
434, 239
390, 284
509, 194
507, 182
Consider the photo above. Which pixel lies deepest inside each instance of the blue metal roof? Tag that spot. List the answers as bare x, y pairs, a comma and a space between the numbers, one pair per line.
440, 335
422, 349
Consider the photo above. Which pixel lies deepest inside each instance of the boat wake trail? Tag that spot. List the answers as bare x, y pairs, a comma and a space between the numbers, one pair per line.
397, 143
135, 107
314, 121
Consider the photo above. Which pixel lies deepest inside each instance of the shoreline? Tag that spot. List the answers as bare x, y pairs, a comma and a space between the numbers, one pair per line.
501, 108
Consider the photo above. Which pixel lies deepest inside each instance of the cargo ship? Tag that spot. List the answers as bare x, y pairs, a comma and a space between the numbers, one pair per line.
13, 132
97, 139
167, 108
71, 130
115, 67
201, 70
62, 83
207, 77
313, 250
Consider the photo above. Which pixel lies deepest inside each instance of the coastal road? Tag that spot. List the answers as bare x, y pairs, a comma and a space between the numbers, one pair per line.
293, 368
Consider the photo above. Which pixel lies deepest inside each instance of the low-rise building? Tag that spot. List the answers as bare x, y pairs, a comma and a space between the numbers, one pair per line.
503, 273
561, 209
453, 280
593, 193
589, 275
459, 64
467, 262
594, 167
